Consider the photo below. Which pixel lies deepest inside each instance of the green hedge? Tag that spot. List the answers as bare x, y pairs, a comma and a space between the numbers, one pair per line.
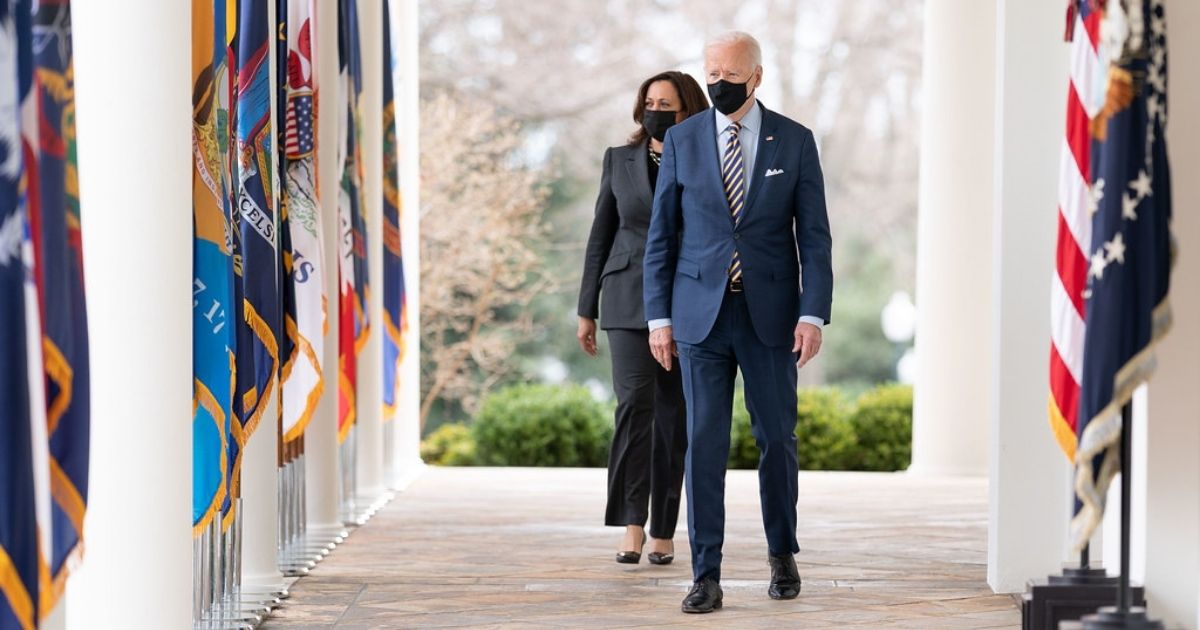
882, 421
547, 425
542, 425
449, 445
873, 432
825, 439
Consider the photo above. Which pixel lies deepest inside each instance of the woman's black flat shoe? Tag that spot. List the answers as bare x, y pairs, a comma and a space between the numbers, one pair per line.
660, 558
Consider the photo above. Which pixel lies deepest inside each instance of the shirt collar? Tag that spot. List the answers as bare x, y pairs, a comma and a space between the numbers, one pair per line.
751, 120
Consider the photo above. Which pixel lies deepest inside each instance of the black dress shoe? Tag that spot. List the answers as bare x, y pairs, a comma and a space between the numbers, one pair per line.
704, 597
785, 577
631, 557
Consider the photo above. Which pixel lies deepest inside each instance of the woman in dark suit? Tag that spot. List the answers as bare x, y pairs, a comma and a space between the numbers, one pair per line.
645, 467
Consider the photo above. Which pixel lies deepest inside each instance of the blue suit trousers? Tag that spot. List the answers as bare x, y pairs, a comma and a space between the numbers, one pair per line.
769, 376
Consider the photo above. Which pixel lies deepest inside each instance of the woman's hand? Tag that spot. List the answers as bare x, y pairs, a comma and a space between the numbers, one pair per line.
587, 335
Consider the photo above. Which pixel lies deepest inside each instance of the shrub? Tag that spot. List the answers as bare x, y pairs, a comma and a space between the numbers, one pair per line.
542, 425
825, 439
882, 422
873, 433
450, 445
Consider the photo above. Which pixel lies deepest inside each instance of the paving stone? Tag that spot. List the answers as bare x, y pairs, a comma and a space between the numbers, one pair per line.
511, 548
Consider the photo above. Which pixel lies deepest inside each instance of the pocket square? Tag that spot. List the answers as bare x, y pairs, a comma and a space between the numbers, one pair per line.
774, 171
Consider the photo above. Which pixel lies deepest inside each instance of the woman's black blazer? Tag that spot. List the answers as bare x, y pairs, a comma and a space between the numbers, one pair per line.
612, 268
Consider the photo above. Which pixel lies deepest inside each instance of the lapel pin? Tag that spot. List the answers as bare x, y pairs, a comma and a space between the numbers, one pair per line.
770, 138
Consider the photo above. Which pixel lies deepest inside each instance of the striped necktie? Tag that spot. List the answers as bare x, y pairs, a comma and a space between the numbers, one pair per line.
733, 173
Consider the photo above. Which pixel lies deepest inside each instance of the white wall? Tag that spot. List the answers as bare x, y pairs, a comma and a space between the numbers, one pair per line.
1029, 475
1173, 441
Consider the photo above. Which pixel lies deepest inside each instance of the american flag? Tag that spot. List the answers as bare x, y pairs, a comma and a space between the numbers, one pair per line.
298, 138
1074, 225
1131, 248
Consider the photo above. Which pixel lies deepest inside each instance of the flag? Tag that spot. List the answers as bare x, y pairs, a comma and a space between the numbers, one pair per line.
258, 330
1130, 256
393, 263
1074, 227
58, 261
19, 561
35, 369
27, 522
213, 326
226, 133
352, 254
303, 262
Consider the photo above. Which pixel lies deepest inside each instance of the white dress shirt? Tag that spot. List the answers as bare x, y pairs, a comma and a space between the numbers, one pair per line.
748, 136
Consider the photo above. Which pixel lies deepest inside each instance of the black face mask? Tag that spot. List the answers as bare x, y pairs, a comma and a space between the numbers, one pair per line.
656, 123
728, 97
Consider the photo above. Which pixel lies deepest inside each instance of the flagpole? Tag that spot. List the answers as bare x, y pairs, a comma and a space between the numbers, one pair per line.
1124, 614
198, 580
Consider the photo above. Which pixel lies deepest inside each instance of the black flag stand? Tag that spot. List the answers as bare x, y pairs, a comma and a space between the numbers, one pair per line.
1125, 614
1080, 590
1077, 591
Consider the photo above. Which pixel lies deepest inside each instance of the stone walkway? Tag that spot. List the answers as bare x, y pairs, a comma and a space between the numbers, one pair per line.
524, 548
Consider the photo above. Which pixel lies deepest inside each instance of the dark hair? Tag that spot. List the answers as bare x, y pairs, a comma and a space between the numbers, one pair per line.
692, 99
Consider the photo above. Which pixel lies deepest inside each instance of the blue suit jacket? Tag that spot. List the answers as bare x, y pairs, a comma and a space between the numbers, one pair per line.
783, 238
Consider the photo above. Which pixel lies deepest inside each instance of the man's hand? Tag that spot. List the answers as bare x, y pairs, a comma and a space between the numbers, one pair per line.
587, 335
808, 342
662, 346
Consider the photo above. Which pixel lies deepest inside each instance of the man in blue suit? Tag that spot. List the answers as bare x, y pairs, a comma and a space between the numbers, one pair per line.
738, 275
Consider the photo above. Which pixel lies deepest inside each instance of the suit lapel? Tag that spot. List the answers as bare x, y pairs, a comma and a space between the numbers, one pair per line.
639, 172
764, 157
708, 138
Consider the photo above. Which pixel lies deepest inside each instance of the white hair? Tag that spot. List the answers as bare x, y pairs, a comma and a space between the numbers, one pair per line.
730, 38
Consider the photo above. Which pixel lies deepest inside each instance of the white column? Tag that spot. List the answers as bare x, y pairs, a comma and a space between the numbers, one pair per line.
1173, 426
370, 361
135, 175
260, 506
406, 40
954, 237
320, 441
260, 490
1029, 475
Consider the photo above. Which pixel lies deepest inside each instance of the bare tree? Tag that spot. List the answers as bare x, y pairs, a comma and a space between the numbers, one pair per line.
481, 233
568, 70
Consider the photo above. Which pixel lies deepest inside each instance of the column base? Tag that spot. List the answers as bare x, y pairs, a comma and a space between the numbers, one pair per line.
405, 472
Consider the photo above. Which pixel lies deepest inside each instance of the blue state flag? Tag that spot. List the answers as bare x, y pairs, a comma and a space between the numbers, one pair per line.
259, 324
393, 262
59, 266
18, 521
1130, 255
212, 291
